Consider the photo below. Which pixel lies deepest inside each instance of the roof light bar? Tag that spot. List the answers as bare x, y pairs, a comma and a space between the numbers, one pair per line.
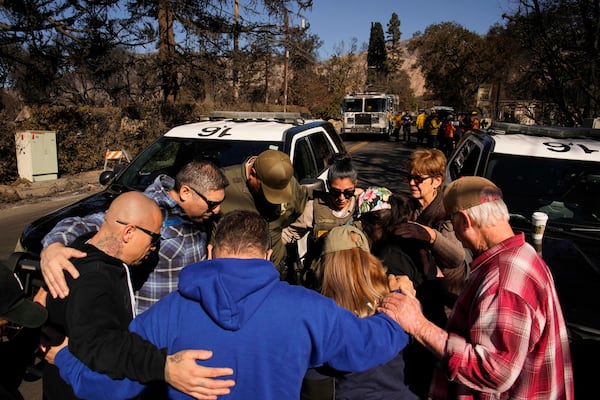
290, 117
558, 132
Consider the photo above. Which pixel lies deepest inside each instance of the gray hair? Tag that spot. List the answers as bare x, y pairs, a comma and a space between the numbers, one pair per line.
489, 213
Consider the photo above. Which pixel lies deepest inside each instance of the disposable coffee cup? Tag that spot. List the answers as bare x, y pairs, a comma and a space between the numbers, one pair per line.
537, 244
538, 225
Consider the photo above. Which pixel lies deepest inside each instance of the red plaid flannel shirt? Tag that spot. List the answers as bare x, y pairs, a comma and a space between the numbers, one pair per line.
507, 335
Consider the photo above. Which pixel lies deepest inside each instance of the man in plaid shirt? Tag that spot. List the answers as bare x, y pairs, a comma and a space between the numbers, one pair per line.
187, 203
506, 337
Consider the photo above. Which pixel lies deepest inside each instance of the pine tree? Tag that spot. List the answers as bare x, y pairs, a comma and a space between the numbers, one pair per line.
376, 59
393, 30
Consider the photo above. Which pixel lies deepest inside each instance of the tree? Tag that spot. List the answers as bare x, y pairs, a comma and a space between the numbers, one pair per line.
42, 43
398, 80
562, 41
393, 30
450, 58
376, 59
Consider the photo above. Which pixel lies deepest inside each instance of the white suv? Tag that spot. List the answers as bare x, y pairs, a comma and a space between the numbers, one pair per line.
226, 138
557, 171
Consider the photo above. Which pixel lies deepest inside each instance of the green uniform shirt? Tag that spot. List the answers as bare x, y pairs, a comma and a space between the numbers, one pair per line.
238, 197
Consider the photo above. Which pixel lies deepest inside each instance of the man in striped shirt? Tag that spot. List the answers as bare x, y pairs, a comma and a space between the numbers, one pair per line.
506, 337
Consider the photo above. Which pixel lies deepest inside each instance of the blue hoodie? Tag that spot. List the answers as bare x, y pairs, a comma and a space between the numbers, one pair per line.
268, 331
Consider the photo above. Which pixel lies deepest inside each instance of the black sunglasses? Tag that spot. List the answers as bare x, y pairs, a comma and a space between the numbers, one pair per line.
348, 193
417, 178
210, 203
155, 236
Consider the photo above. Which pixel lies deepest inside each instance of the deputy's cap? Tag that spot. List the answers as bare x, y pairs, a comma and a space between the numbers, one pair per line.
13, 304
274, 170
468, 192
345, 237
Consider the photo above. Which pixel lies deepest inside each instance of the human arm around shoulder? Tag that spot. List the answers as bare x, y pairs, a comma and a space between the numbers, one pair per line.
192, 378
349, 343
102, 344
92, 385
55, 256
97, 321
186, 375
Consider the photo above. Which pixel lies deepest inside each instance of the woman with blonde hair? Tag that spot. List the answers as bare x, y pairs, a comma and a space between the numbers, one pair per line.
357, 281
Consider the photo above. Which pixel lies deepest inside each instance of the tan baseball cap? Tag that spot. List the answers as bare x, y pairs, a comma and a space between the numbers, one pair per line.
275, 171
345, 237
468, 192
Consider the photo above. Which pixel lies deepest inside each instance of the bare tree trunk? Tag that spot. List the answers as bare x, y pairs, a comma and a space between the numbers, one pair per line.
166, 50
235, 61
286, 58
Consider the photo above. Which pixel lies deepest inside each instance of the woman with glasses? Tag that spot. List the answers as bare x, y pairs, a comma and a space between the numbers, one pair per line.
325, 211
426, 173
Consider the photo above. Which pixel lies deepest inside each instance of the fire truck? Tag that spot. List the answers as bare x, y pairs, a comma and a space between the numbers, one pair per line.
369, 113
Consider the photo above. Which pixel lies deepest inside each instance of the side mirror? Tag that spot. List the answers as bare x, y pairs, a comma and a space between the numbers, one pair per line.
105, 177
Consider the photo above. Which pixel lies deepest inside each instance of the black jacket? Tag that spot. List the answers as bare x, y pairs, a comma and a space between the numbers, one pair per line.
95, 316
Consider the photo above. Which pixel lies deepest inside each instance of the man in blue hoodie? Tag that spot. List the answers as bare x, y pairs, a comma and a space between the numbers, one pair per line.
268, 331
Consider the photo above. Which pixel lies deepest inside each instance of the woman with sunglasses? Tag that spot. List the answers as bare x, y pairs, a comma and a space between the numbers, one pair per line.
325, 211
426, 173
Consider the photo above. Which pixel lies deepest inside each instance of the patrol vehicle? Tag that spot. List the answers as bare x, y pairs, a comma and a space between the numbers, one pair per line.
226, 138
557, 171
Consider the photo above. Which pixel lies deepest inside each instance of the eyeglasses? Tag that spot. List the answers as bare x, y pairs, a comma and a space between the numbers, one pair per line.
348, 193
155, 236
417, 178
210, 203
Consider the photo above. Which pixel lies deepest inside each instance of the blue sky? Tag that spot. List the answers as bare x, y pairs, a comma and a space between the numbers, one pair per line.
335, 21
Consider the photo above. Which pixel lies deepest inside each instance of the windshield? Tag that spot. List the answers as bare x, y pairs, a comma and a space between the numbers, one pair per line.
167, 155
375, 105
352, 105
567, 190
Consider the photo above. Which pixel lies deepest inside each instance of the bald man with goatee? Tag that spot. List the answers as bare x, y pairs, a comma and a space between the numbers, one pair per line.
96, 314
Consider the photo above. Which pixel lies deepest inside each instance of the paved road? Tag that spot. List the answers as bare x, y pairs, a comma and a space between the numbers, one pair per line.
14, 218
380, 163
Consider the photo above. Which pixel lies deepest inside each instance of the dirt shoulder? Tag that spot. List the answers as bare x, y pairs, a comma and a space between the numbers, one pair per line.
23, 191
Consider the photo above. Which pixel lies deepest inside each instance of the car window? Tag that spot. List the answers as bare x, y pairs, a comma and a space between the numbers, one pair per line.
322, 150
465, 160
304, 164
167, 155
333, 135
567, 190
